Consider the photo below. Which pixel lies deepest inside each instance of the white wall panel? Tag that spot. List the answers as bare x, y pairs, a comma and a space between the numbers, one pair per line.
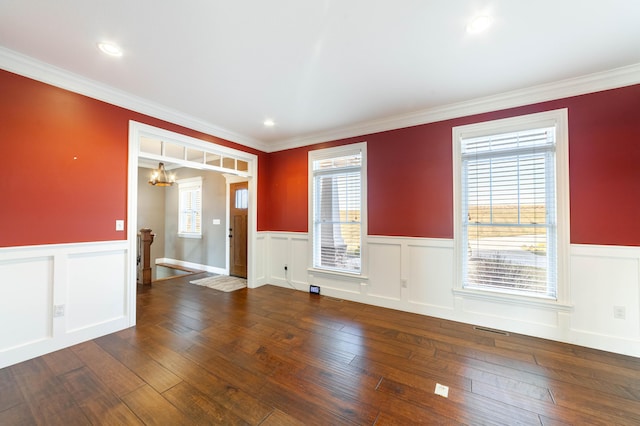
343, 287
384, 271
430, 275
87, 280
279, 249
96, 289
26, 292
260, 260
298, 262
521, 318
603, 278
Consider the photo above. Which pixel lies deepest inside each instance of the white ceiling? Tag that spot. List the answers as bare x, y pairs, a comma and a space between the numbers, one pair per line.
319, 68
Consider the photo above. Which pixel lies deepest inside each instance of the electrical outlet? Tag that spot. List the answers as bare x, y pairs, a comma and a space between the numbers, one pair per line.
58, 311
314, 289
442, 390
119, 225
619, 312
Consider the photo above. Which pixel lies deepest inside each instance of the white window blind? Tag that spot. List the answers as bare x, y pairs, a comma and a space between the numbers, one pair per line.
190, 208
337, 213
509, 224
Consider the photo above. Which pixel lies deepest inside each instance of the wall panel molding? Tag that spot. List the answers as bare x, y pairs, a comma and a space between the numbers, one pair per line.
60, 295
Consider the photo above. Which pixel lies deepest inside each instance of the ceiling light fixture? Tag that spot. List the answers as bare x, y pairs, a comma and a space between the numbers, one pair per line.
109, 48
269, 123
159, 177
479, 24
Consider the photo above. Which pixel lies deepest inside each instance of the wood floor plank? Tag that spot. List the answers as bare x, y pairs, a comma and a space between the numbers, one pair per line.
62, 361
397, 410
387, 345
278, 418
552, 412
627, 374
508, 383
17, 415
397, 419
10, 395
254, 356
406, 374
199, 408
584, 399
49, 403
113, 373
540, 376
99, 404
298, 404
343, 404
232, 373
153, 409
227, 394
416, 344
142, 365
482, 410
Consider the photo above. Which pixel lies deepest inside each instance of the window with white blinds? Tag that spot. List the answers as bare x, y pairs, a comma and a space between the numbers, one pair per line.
508, 189
507, 192
190, 208
337, 209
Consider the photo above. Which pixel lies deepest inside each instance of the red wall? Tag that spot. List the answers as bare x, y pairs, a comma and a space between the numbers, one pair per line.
50, 197
410, 173
64, 160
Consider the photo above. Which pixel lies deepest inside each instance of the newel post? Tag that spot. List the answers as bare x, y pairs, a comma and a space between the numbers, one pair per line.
146, 236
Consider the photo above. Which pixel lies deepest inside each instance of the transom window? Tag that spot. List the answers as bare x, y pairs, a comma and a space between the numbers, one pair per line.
508, 217
337, 208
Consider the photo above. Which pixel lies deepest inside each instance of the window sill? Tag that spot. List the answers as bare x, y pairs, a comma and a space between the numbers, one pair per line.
338, 274
196, 236
514, 299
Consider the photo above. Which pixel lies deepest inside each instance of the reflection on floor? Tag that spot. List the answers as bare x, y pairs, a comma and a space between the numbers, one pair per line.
165, 271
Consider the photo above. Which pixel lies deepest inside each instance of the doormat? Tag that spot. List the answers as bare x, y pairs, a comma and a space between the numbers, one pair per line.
222, 283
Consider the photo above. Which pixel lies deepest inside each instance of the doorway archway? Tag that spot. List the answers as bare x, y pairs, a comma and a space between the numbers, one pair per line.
155, 144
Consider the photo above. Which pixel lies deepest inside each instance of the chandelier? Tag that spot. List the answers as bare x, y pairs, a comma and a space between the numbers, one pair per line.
159, 177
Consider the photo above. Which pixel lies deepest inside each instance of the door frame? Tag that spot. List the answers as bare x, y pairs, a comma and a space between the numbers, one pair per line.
138, 130
229, 180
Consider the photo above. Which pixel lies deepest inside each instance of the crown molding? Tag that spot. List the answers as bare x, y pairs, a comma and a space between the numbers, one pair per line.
611, 79
18, 63
29, 67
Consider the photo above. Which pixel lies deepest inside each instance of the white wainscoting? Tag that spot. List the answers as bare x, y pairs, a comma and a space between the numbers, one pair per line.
260, 263
88, 280
418, 275
602, 278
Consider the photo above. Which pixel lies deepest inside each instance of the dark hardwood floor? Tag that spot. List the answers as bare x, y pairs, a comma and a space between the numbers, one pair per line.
274, 356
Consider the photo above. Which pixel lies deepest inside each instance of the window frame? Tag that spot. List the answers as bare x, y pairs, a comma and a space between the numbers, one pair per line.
189, 185
559, 120
324, 154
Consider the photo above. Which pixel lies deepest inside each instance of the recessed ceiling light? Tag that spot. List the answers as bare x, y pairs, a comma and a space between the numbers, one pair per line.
479, 24
269, 123
109, 48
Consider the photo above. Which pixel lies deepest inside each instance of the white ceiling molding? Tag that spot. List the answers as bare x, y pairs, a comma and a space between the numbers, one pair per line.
18, 63
37, 70
612, 79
